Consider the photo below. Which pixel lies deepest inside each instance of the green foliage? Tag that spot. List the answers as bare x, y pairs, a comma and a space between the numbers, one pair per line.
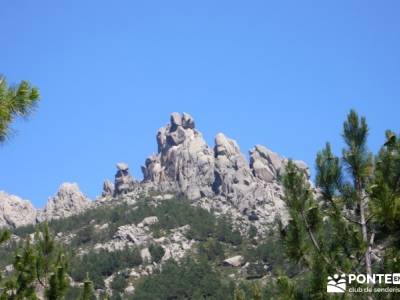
15, 101
239, 295
189, 279
385, 192
171, 214
356, 156
40, 263
252, 232
224, 232
256, 270
286, 289
212, 249
256, 292
101, 264
298, 197
331, 235
213, 234
157, 252
318, 280
119, 282
58, 283
88, 291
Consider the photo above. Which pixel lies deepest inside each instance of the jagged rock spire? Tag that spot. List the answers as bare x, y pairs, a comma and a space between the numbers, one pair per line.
68, 201
124, 181
184, 163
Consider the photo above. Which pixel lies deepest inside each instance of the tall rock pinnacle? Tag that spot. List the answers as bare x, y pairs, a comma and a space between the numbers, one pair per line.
184, 163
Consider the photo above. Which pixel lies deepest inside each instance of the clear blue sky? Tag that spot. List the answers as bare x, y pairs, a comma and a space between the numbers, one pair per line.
279, 73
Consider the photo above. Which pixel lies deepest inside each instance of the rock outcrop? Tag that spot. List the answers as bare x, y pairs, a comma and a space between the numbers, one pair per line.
269, 166
218, 178
68, 201
15, 212
184, 163
108, 189
266, 165
124, 181
233, 177
235, 261
133, 234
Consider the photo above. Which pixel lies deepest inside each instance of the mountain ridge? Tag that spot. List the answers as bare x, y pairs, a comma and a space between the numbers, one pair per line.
184, 165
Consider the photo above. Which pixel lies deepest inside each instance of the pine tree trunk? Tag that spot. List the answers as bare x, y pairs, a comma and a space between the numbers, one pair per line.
364, 230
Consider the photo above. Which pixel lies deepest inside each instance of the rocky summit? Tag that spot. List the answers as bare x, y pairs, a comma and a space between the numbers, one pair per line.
68, 201
217, 177
186, 165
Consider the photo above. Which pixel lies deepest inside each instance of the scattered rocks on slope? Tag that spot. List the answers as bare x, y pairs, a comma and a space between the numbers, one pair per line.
15, 212
133, 234
68, 201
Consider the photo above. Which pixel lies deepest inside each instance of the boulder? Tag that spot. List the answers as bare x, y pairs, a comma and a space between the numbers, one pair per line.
149, 221
235, 261
146, 255
132, 234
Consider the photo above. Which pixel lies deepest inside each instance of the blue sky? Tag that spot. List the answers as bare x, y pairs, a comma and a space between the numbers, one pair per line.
278, 73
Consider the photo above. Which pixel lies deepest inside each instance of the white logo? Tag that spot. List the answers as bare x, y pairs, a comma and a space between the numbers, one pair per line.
336, 284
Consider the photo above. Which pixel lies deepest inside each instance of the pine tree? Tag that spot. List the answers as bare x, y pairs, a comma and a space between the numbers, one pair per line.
359, 163
15, 101
239, 295
87, 293
256, 292
385, 202
58, 282
331, 234
39, 263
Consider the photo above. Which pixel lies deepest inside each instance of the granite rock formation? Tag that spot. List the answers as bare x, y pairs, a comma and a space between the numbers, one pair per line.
15, 212
68, 201
184, 163
124, 181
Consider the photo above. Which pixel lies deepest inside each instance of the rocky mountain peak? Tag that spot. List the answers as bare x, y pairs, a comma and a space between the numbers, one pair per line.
218, 178
186, 165
184, 162
68, 201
